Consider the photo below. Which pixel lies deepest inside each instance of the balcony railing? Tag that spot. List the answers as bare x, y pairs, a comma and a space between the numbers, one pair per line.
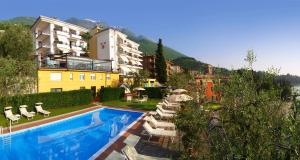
76, 63
74, 36
63, 33
76, 48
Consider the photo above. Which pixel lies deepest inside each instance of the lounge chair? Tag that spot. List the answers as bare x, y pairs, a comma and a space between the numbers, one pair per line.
39, 109
165, 110
131, 154
164, 115
114, 155
158, 132
9, 115
159, 124
24, 112
166, 101
161, 114
132, 140
144, 99
169, 105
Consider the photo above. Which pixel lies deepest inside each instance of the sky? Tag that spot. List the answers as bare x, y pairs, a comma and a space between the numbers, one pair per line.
219, 32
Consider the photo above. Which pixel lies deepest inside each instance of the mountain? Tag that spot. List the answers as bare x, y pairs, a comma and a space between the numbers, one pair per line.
292, 79
191, 64
26, 20
147, 46
86, 23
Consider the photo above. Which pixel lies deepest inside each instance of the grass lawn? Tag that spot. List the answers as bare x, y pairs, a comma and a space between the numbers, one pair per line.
212, 106
148, 106
54, 112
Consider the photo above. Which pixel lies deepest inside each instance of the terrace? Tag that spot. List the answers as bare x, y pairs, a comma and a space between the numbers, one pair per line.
60, 61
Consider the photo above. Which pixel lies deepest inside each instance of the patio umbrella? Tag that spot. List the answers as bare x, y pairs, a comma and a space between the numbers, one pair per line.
179, 98
139, 89
179, 91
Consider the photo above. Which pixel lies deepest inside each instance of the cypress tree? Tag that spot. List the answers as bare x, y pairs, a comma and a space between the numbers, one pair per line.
160, 64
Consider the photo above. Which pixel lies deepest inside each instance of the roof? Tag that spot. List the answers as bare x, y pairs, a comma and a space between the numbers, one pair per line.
58, 22
114, 29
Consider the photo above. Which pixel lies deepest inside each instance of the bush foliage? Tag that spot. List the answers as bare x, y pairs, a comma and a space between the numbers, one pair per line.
50, 100
109, 94
154, 92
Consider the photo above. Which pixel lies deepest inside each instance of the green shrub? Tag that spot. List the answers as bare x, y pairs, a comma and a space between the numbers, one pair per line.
154, 92
109, 94
50, 100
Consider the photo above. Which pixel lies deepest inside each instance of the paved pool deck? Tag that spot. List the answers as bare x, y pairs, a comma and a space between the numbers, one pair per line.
17, 127
158, 146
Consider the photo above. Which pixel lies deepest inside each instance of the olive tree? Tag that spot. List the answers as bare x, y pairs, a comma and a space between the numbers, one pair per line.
254, 122
17, 66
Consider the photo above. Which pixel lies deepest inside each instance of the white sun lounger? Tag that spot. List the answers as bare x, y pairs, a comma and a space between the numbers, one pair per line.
161, 114
24, 112
164, 115
170, 105
9, 115
132, 140
159, 124
131, 154
114, 155
39, 109
166, 102
158, 132
165, 110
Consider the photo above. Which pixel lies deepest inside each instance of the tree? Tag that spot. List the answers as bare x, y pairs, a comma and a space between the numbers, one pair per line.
16, 42
17, 67
140, 78
16, 77
254, 122
160, 64
180, 80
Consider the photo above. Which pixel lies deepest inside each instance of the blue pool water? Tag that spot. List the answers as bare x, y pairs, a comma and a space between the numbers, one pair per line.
75, 138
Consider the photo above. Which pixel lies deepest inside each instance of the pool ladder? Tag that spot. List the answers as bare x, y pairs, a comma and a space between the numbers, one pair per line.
6, 141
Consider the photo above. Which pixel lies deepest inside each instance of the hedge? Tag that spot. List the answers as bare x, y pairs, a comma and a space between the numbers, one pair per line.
154, 92
50, 100
109, 94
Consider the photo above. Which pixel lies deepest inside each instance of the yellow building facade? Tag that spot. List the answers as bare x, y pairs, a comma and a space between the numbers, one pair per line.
57, 80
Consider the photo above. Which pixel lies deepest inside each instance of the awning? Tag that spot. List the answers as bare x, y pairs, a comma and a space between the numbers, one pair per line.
139, 63
125, 69
63, 39
64, 50
124, 58
134, 62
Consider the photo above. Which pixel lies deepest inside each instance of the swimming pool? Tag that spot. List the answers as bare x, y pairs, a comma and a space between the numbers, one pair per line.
80, 137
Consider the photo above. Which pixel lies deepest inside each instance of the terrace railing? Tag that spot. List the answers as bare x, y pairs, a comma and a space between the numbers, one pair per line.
76, 63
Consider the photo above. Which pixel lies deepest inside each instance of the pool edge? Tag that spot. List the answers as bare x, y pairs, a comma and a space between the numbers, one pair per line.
104, 148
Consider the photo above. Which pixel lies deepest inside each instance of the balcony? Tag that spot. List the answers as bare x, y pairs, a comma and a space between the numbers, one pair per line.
42, 35
63, 33
76, 48
62, 46
43, 47
77, 63
75, 36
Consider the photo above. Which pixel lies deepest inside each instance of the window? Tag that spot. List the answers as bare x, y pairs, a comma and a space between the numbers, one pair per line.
71, 76
93, 77
82, 87
56, 90
55, 76
108, 77
81, 77
100, 77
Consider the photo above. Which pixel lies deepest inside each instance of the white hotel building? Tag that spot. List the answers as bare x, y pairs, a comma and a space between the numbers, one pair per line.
54, 39
60, 45
111, 44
